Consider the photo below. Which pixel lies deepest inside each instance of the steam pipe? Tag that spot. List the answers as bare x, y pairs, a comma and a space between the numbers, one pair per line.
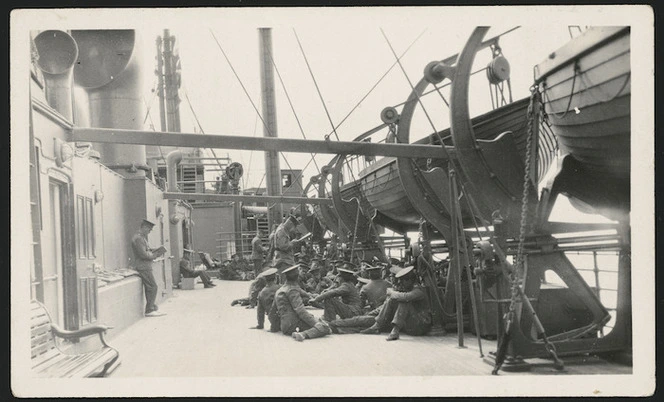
58, 53
172, 160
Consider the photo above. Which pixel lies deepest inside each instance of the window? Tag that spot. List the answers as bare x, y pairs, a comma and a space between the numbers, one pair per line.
80, 227
286, 180
90, 226
87, 301
85, 228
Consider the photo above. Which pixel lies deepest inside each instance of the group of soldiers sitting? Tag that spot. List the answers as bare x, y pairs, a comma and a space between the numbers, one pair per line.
369, 299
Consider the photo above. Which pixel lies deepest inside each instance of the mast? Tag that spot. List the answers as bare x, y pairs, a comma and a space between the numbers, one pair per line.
272, 170
160, 88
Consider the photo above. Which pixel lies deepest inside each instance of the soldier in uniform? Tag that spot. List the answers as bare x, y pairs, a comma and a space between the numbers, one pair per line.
361, 282
317, 283
293, 316
284, 243
257, 252
406, 309
254, 289
188, 272
344, 299
270, 241
374, 293
143, 258
266, 295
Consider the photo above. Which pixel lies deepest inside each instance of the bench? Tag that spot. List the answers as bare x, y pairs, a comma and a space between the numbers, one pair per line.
48, 360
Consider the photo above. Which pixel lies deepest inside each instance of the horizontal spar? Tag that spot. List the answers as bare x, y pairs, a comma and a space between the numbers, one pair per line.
247, 198
117, 136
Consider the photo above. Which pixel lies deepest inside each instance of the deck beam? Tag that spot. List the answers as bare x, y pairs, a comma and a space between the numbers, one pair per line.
139, 137
246, 198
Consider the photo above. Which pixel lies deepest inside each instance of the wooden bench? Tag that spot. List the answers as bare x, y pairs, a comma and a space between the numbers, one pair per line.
48, 360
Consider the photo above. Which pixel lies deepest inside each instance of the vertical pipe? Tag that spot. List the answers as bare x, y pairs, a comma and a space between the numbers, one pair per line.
272, 170
455, 264
466, 264
597, 293
109, 69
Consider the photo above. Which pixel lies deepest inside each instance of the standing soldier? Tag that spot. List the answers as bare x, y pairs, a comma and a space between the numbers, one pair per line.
284, 240
344, 299
143, 258
331, 249
293, 316
270, 244
257, 252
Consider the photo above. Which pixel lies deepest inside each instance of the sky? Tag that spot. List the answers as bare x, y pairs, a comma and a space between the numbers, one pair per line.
347, 54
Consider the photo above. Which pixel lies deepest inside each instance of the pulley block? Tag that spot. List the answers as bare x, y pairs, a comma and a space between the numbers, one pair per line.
498, 70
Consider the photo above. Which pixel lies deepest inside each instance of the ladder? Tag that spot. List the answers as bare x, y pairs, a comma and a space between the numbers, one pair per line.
189, 175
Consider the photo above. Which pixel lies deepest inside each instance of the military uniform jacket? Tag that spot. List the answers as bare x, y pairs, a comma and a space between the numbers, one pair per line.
256, 249
255, 288
185, 269
265, 300
283, 248
143, 255
289, 304
348, 293
374, 292
419, 299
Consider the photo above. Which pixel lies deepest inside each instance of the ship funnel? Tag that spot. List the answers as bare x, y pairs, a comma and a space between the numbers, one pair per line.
109, 70
57, 52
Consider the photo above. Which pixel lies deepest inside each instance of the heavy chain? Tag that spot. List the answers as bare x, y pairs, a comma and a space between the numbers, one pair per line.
518, 267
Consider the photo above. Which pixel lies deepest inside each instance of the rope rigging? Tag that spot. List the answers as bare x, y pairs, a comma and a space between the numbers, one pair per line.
412, 87
320, 95
378, 82
291, 106
246, 93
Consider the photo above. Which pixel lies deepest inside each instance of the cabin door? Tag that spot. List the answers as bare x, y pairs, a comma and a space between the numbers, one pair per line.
53, 253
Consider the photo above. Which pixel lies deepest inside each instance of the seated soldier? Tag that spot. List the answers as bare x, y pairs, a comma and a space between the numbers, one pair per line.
227, 272
293, 316
342, 300
303, 274
256, 286
266, 295
358, 323
406, 309
361, 282
188, 272
394, 270
374, 293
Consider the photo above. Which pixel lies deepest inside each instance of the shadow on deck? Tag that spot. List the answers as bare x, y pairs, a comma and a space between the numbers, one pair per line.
203, 336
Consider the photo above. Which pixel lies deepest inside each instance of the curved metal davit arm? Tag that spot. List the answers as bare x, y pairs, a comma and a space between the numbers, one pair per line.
418, 196
479, 179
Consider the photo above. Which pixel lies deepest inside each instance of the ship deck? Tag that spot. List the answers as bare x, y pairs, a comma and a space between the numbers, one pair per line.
203, 336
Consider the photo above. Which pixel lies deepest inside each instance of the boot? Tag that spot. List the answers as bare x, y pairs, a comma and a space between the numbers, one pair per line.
372, 330
394, 335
